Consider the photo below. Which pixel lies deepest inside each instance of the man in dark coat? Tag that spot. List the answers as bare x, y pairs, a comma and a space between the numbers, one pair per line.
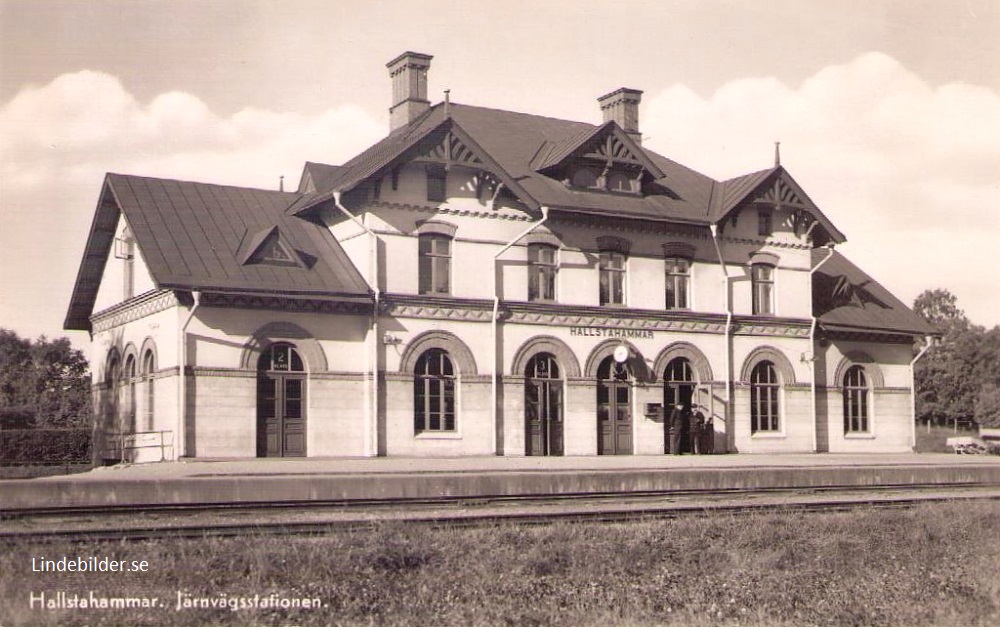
697, 427
676, 426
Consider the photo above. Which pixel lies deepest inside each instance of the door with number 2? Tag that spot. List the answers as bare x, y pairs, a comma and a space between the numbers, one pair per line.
281, 403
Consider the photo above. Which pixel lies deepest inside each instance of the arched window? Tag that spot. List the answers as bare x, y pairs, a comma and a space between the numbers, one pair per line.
128, 386
764, 389
148, 368
112, 381
855, 400
434, 392
678, 383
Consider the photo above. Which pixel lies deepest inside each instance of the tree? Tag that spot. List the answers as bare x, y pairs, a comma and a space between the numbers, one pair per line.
43, 383
950, 377
988, 406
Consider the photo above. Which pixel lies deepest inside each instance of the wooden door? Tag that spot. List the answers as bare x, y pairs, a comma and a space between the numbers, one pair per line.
281, 404
614, 409
543, 407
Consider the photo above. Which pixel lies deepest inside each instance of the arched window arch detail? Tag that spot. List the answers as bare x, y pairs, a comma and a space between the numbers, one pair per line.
149, 347
703, 370
636, 360
434, 383
147, 370
765, 398
783, 367
288, 332
128, 390
859, 358
546, 344
857, 400
112, 368
448, 342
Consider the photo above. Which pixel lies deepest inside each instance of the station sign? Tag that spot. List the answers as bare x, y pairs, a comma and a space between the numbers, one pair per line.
615, 332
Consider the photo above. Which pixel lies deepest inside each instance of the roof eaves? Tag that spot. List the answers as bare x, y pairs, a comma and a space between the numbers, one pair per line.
95, 258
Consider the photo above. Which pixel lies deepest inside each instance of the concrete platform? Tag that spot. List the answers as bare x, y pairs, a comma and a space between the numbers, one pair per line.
304, 480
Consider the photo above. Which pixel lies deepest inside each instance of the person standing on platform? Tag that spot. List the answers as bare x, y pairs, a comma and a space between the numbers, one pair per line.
676, 427
697, 426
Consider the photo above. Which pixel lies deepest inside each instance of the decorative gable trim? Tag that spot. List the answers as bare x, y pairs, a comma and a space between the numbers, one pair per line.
777, 190
447, 143
607, 143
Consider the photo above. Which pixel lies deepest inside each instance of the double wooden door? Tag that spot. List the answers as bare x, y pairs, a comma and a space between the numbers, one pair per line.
281, 404
614, 408
543, 406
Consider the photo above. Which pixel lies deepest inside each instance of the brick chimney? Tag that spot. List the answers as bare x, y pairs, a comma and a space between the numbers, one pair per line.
622, 106
409, 88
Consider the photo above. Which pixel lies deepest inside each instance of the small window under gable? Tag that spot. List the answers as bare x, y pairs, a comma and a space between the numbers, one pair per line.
270, 248
604, 159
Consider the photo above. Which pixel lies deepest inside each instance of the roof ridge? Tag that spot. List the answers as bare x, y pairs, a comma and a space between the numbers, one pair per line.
533, 115
160, 178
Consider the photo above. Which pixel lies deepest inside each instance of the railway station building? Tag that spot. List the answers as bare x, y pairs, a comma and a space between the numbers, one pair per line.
485, 282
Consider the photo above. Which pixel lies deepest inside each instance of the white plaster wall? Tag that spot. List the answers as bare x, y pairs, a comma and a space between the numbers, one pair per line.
217, 336
112, 288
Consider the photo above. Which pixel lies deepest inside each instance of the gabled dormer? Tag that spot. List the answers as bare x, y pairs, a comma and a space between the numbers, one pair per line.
769, 201
607, 158
269, 247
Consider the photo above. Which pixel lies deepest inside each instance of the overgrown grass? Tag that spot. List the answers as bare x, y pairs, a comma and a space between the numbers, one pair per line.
933, 565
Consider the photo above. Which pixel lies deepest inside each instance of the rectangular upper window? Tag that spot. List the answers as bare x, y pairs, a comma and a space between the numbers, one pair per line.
612, 278
765, 225
542, 269
434, 266
678, 283
762, 282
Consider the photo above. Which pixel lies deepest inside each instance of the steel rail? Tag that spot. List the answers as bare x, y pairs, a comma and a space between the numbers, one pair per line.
148, 508
484, 514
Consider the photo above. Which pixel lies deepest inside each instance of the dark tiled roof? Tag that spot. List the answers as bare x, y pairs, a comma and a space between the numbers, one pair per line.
518, 143
191, 235
845, 297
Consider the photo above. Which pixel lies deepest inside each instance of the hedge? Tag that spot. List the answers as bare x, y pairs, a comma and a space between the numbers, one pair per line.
45, 446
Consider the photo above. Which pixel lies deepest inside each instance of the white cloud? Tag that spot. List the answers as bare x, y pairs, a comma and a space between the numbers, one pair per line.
58, 140
910, 172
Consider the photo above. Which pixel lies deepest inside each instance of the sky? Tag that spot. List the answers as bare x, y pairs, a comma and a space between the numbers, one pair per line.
888, 111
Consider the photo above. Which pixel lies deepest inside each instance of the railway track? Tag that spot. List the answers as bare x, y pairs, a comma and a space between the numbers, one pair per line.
116, 522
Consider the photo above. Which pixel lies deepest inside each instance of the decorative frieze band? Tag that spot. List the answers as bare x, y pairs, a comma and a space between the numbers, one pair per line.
626, 323
133, 309
519, 216
287, 303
